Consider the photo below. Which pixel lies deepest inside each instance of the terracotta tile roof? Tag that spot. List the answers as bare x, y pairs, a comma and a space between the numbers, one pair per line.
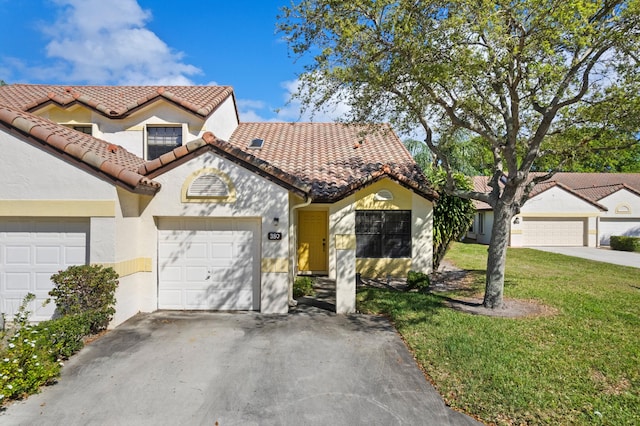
599, 185
114, 101
100, 156
591, 187
333, 159
481, 184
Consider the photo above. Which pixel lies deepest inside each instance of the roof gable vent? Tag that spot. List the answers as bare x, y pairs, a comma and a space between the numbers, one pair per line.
208, 186
256, 143
383, 195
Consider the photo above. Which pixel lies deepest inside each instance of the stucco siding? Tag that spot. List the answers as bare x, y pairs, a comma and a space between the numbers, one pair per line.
224, 120
558, 201
255, 197
30, 173
621, 204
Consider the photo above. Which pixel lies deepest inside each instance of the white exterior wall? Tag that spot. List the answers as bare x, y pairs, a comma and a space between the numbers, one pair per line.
556, 201
342, 221
256, 197
622, 204
622, 217
223, 122
422, 230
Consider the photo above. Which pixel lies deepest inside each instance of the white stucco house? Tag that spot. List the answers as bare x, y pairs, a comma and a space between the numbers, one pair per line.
194, 209
570, 209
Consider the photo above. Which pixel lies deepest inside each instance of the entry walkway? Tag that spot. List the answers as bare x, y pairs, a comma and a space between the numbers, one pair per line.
324, 299
601, 254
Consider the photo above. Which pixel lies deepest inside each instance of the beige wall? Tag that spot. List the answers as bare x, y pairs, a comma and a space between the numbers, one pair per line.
342, 222
130, 131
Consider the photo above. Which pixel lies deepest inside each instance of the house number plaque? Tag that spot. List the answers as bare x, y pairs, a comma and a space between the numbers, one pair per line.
274, 236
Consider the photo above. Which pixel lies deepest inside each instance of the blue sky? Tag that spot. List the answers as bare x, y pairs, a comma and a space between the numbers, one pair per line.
154, 42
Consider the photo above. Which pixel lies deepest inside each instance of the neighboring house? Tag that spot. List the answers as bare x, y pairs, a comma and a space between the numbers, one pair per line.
570, 209
194, 209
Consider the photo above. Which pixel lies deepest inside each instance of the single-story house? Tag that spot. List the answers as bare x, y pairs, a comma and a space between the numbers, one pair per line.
194, 209
570, 209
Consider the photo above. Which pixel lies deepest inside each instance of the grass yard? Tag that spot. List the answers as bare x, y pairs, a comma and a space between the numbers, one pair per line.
579, 366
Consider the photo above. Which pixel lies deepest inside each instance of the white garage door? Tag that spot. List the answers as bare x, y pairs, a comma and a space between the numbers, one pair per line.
609, 227
553, 232
209, 264
30, 252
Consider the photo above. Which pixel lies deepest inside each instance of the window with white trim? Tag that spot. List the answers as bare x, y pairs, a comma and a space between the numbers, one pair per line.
383, 233
162, 139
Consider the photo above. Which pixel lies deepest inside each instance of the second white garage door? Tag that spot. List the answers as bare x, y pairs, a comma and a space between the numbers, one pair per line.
209, 264
617, 226
553, 232
31, 250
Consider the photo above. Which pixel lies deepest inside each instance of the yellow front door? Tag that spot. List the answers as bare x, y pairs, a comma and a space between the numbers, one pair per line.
312, 241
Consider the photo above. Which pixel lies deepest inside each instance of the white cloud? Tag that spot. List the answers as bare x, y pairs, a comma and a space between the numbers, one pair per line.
293, 110
107, 42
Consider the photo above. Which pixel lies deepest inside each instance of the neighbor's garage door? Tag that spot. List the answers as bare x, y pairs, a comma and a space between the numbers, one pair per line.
33, 250
209, 264
553, 232
617, 226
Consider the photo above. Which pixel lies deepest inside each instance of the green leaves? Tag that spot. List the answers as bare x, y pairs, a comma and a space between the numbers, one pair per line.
505, 71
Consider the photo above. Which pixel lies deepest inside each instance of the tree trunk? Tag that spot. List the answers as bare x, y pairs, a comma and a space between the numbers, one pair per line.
496, 260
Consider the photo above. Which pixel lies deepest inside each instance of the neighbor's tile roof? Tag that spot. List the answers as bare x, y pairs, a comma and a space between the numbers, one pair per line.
596, 186
592, 187
333, 159
114, 101
481, 184
103, 157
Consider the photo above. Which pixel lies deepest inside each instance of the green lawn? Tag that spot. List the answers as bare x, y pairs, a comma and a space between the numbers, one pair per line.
580, 366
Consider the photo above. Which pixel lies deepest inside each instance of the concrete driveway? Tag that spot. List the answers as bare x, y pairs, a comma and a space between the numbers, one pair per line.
307, 368
600, 254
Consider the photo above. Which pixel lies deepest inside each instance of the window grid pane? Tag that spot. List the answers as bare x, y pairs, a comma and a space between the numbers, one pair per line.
83, 129
161, 140
383, 234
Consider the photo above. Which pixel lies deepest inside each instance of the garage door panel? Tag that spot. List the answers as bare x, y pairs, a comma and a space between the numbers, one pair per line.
17, 281
196, 274
170, 299
48, 256
220, 299
195, 250
218, 262
17, 255
43, 281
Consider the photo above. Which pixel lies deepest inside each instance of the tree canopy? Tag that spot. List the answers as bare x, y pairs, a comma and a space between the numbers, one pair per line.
513, 74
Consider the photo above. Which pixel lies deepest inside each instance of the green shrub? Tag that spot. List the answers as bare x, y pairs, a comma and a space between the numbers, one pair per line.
31, 355
303, 286
86, 289
623, 243
417, 280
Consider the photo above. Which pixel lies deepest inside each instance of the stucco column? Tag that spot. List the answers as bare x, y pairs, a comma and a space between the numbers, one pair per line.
345, 274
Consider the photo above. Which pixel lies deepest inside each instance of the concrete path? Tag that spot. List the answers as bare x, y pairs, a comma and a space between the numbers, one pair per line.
306, 368
601, 254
